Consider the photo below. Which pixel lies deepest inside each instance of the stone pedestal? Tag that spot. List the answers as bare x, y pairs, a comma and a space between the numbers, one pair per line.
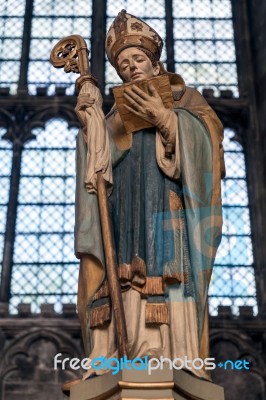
139, 385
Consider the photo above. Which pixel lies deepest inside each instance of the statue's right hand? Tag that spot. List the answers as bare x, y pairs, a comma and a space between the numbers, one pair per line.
83, 103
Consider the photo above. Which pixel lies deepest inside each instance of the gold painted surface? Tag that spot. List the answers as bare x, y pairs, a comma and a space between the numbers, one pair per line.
133, 123
157, 313
146, 385
127, 30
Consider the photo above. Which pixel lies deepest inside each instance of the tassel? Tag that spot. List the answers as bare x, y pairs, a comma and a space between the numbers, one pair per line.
99, 316
170, 278
157, 313
138, 267
124, 272
153, 286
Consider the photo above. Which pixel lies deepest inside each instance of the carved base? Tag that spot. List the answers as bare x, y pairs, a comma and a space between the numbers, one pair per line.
138, 385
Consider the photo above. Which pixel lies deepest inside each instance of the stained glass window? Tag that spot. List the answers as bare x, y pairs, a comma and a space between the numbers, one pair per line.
233, 281
45, 268
204, 44
11, 29
53, 20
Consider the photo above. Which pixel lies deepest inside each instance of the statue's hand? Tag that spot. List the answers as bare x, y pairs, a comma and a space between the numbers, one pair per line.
84, 102
149, 107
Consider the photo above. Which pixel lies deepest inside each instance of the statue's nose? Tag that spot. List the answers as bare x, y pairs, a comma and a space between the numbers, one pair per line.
132, 64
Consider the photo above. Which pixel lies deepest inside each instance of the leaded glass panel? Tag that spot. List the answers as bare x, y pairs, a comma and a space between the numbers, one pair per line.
45, 268
11, 29
233, 281
53, 20
204, 44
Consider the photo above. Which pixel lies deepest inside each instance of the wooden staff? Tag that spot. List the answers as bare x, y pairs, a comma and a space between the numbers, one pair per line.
71, 53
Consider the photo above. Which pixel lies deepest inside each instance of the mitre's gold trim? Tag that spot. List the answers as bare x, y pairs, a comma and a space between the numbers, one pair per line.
133, 41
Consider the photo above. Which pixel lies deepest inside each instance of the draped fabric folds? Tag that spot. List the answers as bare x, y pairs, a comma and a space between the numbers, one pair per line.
167, 223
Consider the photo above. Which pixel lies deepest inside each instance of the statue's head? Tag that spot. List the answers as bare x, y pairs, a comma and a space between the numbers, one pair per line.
133, 64
133, 48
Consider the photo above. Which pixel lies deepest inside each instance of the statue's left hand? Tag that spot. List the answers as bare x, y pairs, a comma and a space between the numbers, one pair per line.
147, 106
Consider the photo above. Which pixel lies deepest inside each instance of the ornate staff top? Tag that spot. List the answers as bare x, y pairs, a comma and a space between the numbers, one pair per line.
71, 53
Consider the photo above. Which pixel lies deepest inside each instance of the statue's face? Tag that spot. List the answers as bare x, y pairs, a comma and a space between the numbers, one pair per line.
134, 65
